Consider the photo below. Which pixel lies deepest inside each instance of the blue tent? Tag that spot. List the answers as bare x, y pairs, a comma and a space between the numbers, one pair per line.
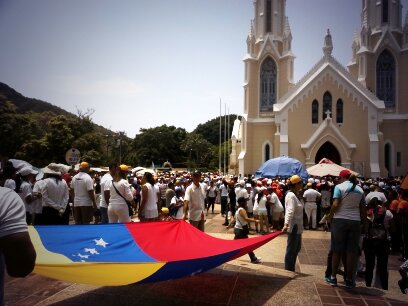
282, 166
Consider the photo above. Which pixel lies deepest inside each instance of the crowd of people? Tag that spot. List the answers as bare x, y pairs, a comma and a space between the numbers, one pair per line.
367, 218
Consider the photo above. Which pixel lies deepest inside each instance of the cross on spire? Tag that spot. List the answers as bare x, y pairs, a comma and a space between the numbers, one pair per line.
327, 112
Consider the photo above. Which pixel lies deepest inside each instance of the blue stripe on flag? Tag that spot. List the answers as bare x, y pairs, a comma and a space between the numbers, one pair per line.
93, 243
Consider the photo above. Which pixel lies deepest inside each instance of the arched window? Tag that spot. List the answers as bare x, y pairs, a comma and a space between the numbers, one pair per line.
339, 111
385, 11
267, 152
386, 78
268, 85
327, 104
315, 112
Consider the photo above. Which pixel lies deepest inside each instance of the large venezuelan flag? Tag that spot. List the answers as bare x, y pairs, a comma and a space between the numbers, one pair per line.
120, 254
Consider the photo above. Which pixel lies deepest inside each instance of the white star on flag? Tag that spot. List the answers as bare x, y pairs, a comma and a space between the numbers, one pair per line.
82, 256
92, 251
101, 242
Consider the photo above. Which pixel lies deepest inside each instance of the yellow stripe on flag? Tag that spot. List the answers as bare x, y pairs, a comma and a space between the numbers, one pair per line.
101, 274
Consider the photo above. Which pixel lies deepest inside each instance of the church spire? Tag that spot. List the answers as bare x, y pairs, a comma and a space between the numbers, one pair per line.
382, 14
328, 44
269, 19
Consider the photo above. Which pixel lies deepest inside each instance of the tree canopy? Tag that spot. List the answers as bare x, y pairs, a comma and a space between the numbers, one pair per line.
44, 134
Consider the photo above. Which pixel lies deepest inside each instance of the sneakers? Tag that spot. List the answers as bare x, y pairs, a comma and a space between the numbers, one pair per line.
331, 281
350, 284
256, 261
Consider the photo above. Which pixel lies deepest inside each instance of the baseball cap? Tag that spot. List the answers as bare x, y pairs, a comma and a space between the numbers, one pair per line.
344, 173
83, 165
124, 168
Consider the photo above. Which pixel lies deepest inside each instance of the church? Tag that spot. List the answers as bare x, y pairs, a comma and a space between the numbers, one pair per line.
356, 116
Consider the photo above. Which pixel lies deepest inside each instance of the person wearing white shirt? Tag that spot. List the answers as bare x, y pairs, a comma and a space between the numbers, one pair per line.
177, 204
55, 196
25, 190
106, 181
194, 203
293, 222
310, 196
121, 197
84, 196
148, 210
17, 253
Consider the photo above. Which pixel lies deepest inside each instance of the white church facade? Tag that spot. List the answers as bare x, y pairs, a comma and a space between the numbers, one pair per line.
355, 116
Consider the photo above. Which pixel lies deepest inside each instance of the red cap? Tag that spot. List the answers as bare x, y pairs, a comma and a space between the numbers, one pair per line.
345, 173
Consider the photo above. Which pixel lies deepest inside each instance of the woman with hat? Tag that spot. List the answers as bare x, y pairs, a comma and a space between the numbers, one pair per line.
293, 221
55, 195
121, 197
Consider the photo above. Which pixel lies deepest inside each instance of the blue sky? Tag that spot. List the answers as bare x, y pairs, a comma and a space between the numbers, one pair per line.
141, 64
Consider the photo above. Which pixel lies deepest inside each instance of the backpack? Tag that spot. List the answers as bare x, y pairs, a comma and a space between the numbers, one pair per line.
377, 231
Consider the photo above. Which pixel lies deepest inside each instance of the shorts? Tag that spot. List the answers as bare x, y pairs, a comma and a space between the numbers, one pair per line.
345, 235
262, 212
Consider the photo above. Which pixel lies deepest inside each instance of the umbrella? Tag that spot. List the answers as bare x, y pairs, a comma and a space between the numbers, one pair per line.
326, 167
143, 171
19, 164
282, 166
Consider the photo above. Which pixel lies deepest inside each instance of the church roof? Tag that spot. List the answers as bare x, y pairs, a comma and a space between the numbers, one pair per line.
327, 64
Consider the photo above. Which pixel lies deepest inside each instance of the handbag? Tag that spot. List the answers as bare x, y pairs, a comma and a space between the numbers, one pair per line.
127, 202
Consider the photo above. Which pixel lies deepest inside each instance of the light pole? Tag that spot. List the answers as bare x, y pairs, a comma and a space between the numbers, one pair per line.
107, 145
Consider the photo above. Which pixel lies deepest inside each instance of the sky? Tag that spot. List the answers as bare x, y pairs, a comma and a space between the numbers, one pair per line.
141, 64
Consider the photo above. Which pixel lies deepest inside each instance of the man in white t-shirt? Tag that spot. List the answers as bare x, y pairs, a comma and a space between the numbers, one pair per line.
106, 181
194, 202
310, 197
84, 195
17, 253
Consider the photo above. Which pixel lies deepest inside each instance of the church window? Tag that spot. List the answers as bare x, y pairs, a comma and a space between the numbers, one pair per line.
339, 111
327, 104
268, 85
385, 11
386, 78
268, 16
267, 152
315, 112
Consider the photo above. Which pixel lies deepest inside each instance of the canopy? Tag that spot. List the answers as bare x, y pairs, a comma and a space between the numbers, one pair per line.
327, 167
121, 254
281, 166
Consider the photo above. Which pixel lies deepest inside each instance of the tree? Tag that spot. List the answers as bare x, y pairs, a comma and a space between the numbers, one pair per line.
198, 150
211, 129
158, 145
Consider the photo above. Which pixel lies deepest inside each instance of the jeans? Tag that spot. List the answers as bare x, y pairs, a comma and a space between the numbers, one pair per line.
379, 253
104, 215
224, 203
239, 234
292, 248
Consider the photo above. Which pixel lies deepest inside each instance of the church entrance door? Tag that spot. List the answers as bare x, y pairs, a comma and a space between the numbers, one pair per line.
328, 150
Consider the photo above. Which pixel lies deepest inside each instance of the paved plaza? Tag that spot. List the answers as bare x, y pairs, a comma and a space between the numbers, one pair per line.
237, 282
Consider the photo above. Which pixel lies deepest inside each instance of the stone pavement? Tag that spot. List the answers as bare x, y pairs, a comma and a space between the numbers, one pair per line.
237, 282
